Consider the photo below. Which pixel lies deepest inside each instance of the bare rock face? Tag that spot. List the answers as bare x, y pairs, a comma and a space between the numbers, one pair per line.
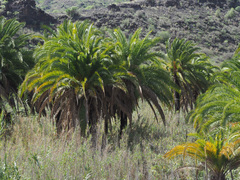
221, 3
26, 11
114, 8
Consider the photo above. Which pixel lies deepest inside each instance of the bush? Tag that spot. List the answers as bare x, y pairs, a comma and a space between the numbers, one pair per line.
72, 12
218, 13
237, 8
140, 14
230, 14
164, 35
89, 7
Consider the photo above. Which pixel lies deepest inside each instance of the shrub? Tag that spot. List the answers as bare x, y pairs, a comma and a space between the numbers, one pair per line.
164, 35
218, 13
230, 14
140, 14
72, 11
89, 7
237, 8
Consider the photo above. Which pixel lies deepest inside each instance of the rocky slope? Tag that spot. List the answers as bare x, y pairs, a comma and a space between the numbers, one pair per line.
26, 11
212, 24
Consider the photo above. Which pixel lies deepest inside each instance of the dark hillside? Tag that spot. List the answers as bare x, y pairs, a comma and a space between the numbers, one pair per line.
26, 11
60, 6
212, 24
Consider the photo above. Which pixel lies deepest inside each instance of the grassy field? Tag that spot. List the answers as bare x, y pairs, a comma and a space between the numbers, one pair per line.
33, 150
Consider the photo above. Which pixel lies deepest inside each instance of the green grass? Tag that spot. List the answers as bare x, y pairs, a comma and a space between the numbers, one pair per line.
33, 150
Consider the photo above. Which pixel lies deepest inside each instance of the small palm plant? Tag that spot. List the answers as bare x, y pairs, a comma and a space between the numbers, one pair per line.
219, 155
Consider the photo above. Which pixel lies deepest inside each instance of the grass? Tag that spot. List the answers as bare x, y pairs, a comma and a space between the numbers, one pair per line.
33, 150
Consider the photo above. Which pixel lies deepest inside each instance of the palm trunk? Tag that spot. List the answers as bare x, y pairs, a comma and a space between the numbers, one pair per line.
176, 94
86, 113
93, 117
123, 122
106, 126
231, 175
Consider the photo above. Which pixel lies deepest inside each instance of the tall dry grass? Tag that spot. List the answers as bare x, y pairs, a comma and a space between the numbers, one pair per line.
33, 150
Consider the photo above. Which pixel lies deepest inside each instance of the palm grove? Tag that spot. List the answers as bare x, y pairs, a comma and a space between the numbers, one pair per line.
85, 76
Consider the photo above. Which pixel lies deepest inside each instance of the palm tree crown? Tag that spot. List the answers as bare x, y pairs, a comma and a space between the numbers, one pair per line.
151, 82
191, 71
71, 73
13, 63
220, 155
219, 106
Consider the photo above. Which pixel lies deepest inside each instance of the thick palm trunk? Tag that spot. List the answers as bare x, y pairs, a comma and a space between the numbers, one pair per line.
123, 122
86, 113
93, 119
220, 177
176, 94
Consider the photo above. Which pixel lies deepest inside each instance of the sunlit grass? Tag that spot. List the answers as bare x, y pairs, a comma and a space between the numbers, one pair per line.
33, 150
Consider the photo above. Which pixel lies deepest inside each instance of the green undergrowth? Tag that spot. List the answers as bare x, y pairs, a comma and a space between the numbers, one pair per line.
34, 151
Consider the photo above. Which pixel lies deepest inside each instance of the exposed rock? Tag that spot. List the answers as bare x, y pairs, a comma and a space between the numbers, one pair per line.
113, 7
28, 12
220, 3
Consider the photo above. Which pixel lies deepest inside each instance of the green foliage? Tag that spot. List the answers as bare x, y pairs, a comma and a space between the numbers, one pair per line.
87, 78
216, 119
72, 11
219, 154
2, 5
15, 60
9, 171
237, 8
73, 62
106, 75
230, 14
136, 56
89, 7
190, 71
164, 35
218, 13
219, 106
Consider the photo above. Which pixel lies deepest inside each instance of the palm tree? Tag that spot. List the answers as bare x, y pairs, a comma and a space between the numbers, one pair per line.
220, 155
191, 71
219, 106
13, 62
152, 82
73, 71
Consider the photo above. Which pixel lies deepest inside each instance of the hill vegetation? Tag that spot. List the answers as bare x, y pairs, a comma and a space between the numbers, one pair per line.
83, 100
57, 7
